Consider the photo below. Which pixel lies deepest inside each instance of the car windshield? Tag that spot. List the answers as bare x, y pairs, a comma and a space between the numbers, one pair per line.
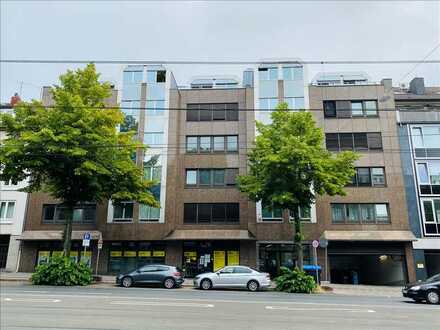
434, 278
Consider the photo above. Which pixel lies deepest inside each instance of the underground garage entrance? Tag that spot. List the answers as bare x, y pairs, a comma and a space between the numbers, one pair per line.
367, 265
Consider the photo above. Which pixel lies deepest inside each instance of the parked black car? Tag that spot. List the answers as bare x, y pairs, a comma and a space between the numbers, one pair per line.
168, 276
428, 290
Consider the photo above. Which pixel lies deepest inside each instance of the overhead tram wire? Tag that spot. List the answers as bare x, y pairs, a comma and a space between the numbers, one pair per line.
217, 62
239, 109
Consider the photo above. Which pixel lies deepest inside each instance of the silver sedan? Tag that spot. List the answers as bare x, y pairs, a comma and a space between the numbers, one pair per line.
233, 277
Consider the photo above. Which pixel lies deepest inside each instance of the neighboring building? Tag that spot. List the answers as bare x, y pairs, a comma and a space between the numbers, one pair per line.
419, 127
12, 213
368, 235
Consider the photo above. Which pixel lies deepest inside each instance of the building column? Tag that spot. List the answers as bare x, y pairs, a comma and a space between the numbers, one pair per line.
411, 269
248, 254
13, 253
174, 251
28, 256
323, 262
420, 264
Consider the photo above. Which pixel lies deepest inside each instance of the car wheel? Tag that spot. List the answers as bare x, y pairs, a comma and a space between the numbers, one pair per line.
169, 283
253, 286
206, 284
127, 282
433, 297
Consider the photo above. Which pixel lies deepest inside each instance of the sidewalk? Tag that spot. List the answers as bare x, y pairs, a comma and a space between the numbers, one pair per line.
365, 290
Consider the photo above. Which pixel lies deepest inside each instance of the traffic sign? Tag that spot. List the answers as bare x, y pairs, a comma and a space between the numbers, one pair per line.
86, 243
315, 243
87, 236
323, 243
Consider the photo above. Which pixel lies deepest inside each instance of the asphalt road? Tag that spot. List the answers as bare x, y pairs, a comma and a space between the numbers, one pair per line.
31, 307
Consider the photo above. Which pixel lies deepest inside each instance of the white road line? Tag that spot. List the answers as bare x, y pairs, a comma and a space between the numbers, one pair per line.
167, 304
285, 308
32, 300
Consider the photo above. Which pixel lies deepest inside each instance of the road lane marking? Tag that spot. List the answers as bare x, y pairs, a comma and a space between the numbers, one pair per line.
167, 304
32, 300
285, 308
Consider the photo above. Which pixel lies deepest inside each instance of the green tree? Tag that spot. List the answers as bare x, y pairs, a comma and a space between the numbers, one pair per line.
289, 166
73, 150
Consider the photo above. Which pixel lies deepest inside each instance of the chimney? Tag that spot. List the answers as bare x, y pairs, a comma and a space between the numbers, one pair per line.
417, 86
387, 83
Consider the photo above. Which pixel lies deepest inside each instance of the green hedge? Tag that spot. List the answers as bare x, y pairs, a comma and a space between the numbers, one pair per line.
62, 271
295, 281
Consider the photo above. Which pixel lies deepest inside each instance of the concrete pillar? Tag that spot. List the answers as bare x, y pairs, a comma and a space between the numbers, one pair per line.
174, 251
248, 253
410, 262
28, 257
103, 259
13, 253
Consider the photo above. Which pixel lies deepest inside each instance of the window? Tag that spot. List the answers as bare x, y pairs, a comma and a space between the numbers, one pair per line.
348, 109
156, 76
431, 216
268, 73
205, 144
212, 111
363, 176
148, 213
191, 144
123, 212
242, 270
191, 177
57, 213
356, 141
219, 143
429, 177
293, 73
232, 143
207, 213
274, 214
426, 140
305, 214
329, 109
154, 140
294, 103
211, 177
132, 77
368, 213
378, 177
155, 108
7, 210
268, 104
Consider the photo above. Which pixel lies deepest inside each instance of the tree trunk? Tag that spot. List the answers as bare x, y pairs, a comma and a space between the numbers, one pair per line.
298, 239
67, 236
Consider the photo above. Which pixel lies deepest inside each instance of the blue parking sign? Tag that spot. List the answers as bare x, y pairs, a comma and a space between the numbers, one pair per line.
87, 236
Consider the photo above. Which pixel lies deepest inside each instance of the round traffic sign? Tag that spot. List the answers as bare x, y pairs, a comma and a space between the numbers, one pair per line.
315, 243
87, 236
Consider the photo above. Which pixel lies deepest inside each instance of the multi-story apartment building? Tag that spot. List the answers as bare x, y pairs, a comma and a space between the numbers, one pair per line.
419, 127
198, 139
368, 235
12, 214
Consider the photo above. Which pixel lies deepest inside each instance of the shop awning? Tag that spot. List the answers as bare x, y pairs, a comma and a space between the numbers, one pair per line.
210, 234
365, 235
56, 235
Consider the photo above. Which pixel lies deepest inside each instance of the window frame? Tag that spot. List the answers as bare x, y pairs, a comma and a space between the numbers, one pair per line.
7, 204
228, 220
58, 208
212, 184
355, 138
124, 218
346, 220
212, 139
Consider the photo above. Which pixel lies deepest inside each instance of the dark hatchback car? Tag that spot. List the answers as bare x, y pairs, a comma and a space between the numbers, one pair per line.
428, 290
168, 276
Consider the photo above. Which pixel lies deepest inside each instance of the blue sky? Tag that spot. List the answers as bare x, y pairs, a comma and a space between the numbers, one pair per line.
214, 30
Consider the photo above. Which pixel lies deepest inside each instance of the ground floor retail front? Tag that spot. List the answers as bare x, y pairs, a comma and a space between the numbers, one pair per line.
375, 263
9, 252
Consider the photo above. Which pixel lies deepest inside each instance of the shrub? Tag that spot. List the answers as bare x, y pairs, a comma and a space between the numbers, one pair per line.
294, 281
62, 271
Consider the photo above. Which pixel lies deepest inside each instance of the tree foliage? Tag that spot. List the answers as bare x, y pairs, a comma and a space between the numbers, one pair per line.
73, 150
290, 166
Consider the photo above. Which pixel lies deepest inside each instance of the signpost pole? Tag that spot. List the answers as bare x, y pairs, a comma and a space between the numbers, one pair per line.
97, 257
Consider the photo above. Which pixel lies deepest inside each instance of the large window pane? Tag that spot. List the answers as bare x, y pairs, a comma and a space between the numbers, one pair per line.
363, 176
205, 177
231, 176
378, 176
371, 108
49, 212
332, 141
205, 144
417, 137
219, 177
367, 213
204, 213
381, 213
423, 173
233, 212
218, 212
429, 213
374, 140
190, 213
337, 213
360, 141
191, 177
10, 210
346, 141
329, 109
431, 136
437, 209
191, 144
356, 108
287, 74
305, 213
232, 111
352, 212
219, 143
232, 143
434, 170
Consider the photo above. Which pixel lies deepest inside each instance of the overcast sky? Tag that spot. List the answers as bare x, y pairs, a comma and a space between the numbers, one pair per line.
215, 30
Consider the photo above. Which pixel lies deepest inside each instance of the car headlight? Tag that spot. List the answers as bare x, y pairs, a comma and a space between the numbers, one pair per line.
415, 288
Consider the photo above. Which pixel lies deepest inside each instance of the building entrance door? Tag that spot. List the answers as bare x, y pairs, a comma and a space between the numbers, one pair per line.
4, 247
